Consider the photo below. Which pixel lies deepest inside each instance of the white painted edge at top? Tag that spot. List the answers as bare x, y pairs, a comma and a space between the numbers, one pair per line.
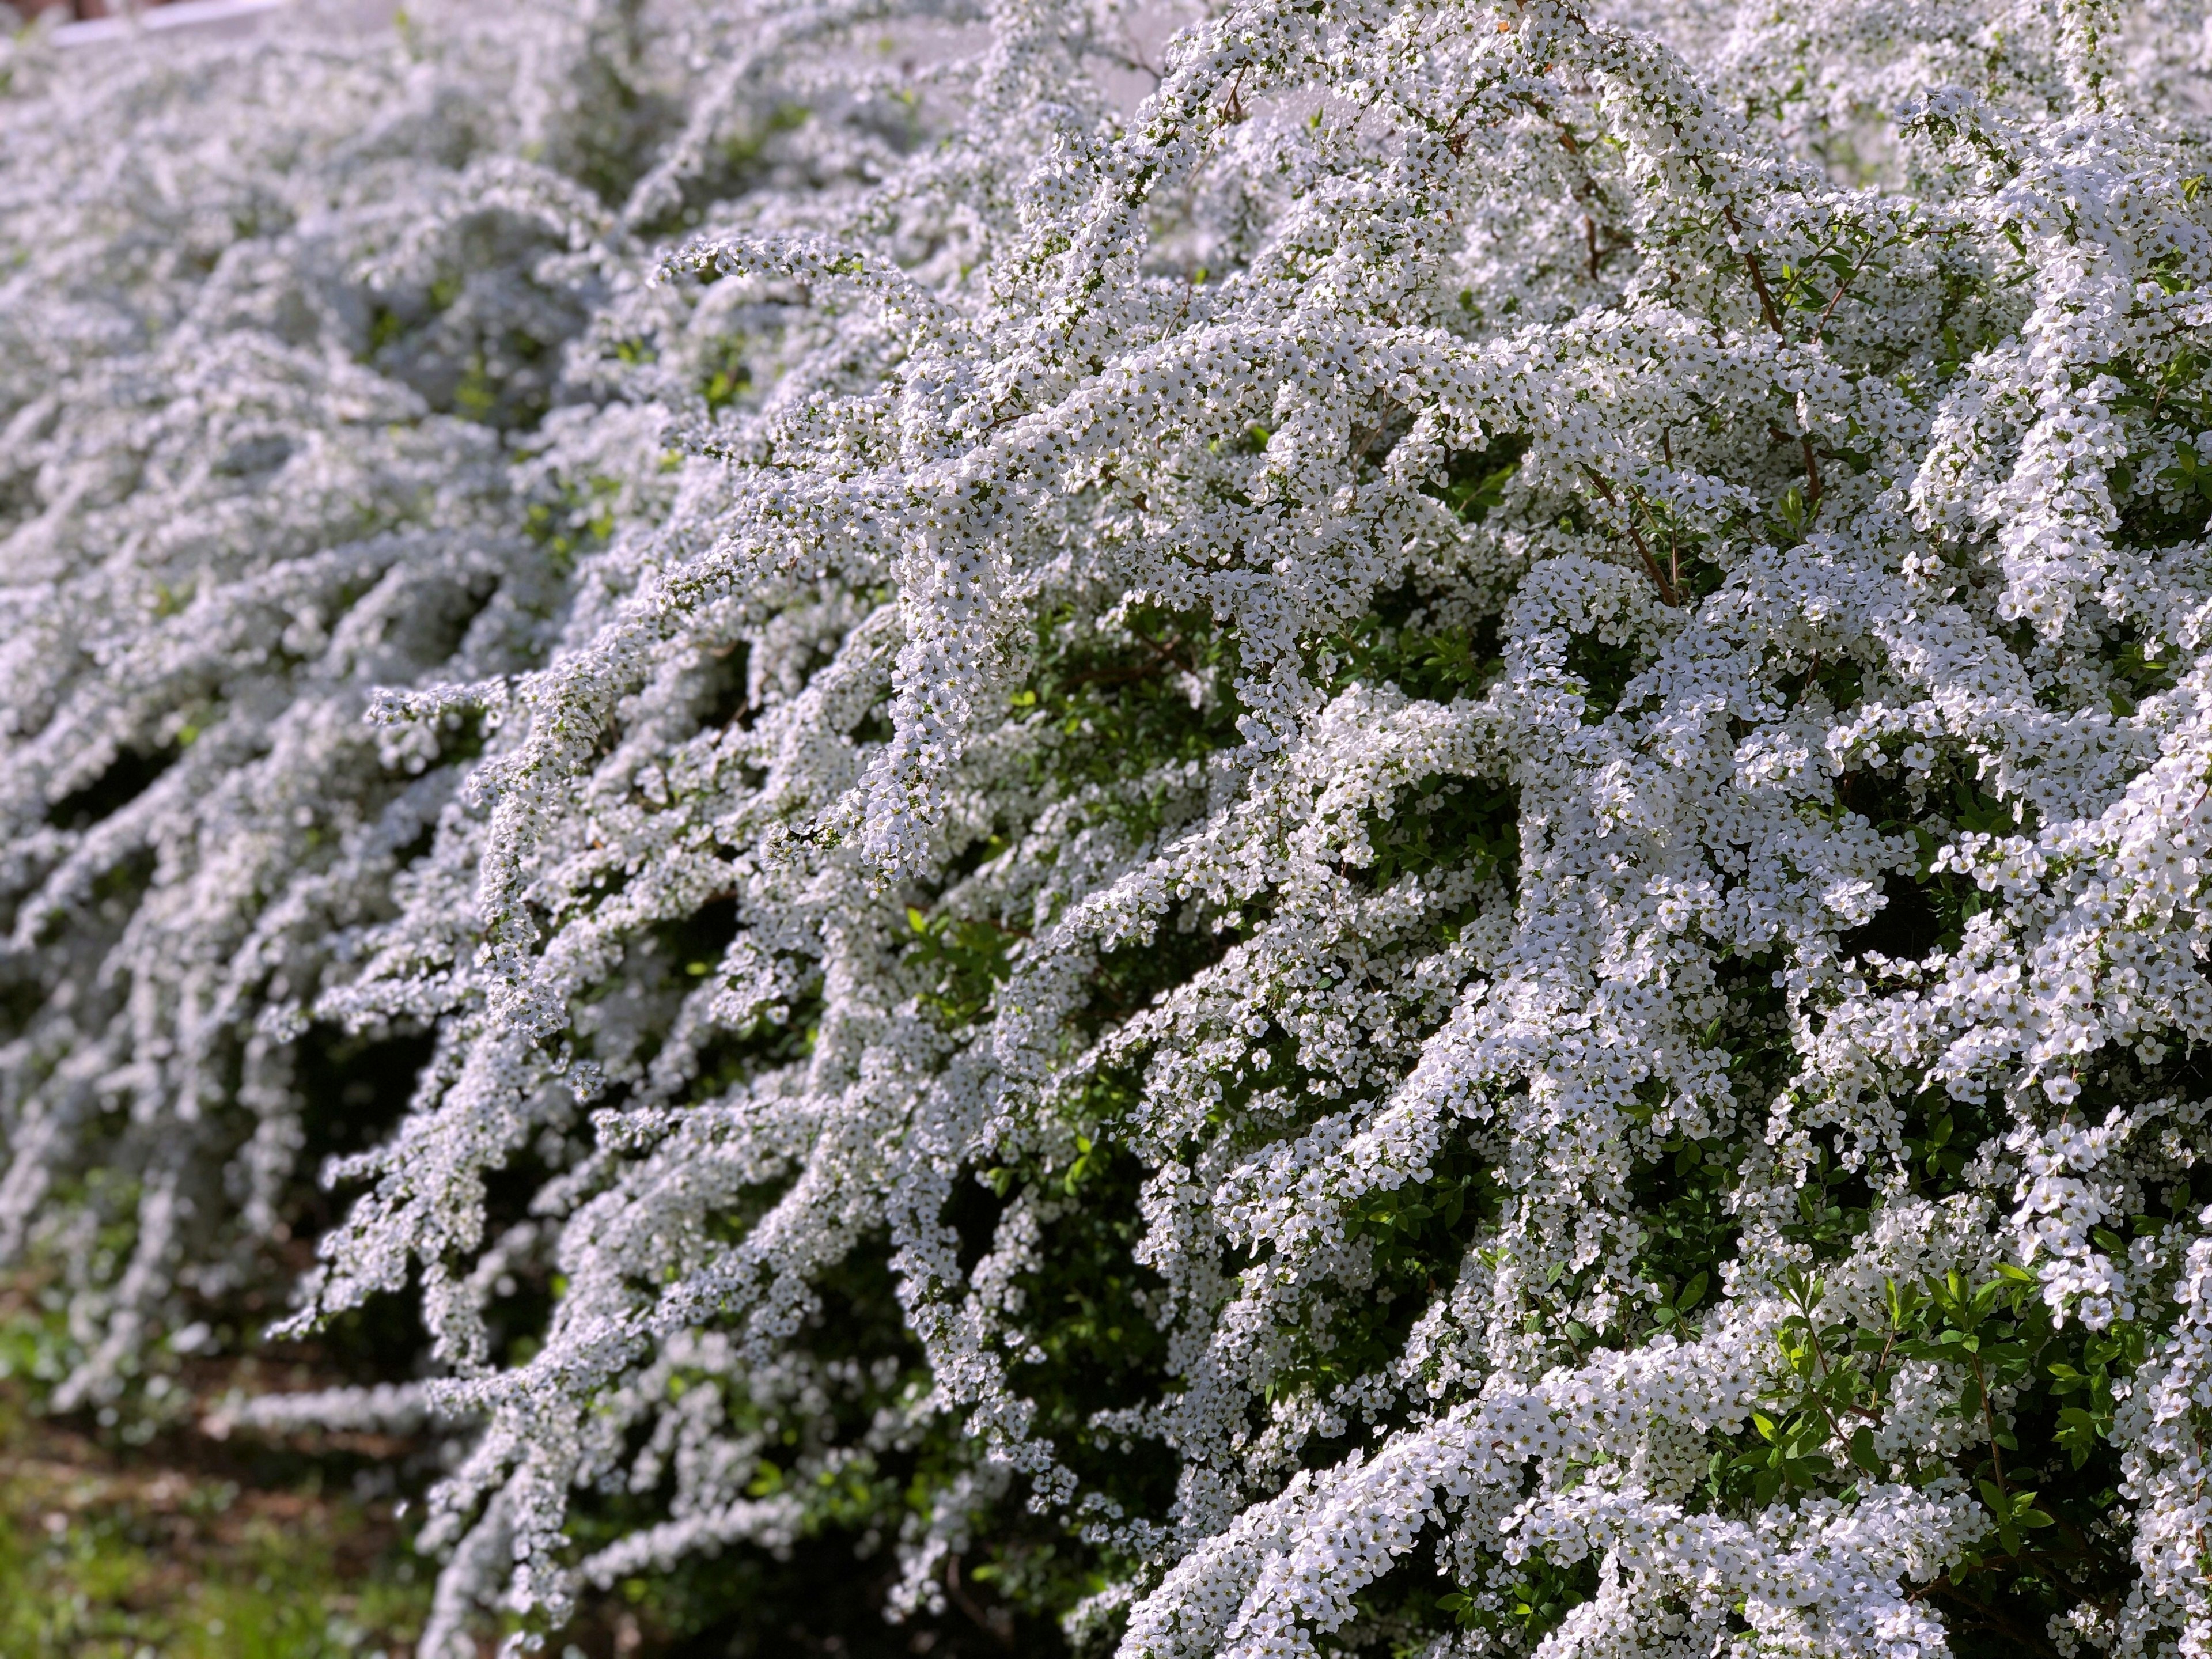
183, 14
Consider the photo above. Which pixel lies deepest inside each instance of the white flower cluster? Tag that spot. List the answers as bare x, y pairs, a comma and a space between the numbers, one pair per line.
1354, 827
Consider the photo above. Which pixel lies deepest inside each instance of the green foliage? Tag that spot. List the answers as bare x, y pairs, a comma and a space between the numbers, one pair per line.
728, 376
2030, 1400
1459, 821
578, 520
1439, 665
1529, 1608
1472, 482
964, 960
1122, 702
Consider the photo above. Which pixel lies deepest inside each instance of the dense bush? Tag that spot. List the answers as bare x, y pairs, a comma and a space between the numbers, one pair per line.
1408, 854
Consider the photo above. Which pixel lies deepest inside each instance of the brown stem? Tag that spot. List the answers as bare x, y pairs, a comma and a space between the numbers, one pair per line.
1667, 591
992, 1621
1128, 56
1828, 310
1758, 277
1803, 686
1881, 1359
1821, 1358
1168, 651
1774, 321
1989, 1422
1812, 464
1674, 550
1669, 595
1234, 108
1944, 1586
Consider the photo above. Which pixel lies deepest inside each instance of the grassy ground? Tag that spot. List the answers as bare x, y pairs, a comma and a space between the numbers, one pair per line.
167, 1550
140, 1534
144, 1537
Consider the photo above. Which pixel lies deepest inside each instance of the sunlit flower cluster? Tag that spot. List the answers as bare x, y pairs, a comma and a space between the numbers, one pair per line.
1350, 826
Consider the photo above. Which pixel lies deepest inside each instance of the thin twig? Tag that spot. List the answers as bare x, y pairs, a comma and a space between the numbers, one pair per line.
992, 1621
1828, 310
1667, 591
1758, 277
1989, 1422
1774, 321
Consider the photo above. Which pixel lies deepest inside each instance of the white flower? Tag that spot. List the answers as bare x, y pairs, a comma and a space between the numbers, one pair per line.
1289, 786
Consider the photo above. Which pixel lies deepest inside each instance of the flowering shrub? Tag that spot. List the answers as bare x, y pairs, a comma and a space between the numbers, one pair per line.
1406, 854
